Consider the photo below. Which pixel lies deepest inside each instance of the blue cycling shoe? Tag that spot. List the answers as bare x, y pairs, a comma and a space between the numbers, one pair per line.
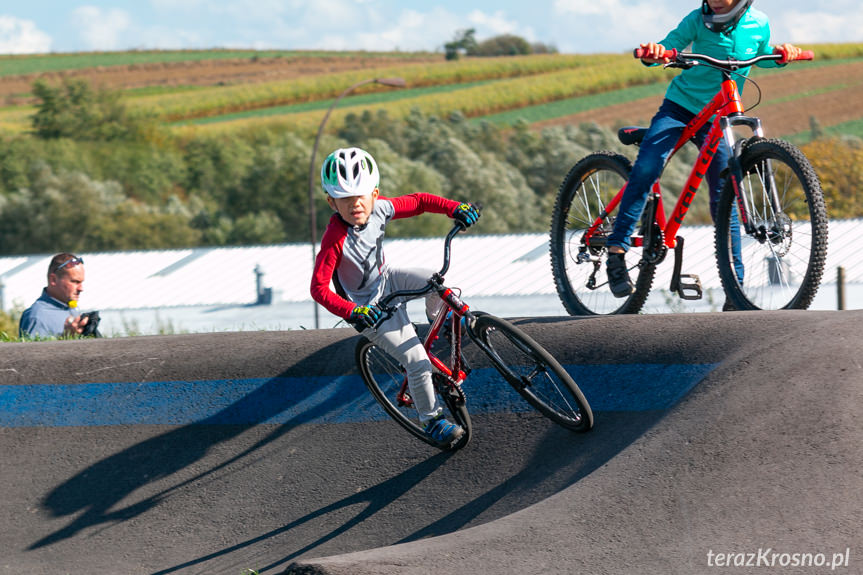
442, 431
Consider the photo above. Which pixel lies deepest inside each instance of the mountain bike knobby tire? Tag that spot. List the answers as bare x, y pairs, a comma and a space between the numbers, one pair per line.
782, 263
583, 285
533, 372
383, 375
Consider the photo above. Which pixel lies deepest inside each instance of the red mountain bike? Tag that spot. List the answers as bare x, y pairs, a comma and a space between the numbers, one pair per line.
772, 191
520, 360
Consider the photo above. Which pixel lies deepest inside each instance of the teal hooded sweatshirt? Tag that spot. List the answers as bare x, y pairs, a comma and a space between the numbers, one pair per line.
695, 87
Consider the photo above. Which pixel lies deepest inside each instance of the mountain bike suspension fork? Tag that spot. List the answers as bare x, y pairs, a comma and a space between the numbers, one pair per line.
735, 169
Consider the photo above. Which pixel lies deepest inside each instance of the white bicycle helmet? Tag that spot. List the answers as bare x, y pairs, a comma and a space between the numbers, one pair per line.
349, 172
723, 22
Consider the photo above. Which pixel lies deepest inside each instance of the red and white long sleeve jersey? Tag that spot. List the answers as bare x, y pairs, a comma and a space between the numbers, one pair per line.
355, 253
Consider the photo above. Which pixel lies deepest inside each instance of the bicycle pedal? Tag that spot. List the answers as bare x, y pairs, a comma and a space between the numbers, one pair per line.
689, 290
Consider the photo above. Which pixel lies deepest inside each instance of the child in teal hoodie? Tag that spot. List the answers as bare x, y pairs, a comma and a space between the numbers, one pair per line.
723, 29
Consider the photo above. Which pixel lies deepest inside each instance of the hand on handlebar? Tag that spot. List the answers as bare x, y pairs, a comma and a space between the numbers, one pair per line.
791, 52
653, 53
467, 214
365, 316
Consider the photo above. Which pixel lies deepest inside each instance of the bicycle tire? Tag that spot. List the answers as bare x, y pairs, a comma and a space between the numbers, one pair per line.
533, 372
582, 285
383, 376
784, 260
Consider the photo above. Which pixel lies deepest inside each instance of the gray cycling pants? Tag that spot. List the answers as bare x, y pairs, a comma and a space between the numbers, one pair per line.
398, 338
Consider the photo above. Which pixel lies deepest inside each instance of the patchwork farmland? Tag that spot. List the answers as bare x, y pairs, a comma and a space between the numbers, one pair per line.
222, 91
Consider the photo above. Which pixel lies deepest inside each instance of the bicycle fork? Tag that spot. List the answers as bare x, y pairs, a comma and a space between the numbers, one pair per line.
735, 173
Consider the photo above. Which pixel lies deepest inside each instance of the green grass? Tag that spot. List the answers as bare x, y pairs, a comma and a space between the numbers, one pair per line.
35, 64
852, 128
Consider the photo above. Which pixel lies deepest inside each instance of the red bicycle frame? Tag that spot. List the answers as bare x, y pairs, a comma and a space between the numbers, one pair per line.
727, 110
454, 372
725, 104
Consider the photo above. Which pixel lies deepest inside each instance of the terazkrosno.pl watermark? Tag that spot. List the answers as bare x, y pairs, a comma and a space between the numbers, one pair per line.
768, 557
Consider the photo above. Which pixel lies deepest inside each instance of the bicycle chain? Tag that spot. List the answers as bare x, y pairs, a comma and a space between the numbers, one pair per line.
447, 387
652, 255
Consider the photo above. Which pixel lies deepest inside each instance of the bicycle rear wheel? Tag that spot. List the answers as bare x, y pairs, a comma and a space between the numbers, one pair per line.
783, 260
578, 269
533, 372
384, 376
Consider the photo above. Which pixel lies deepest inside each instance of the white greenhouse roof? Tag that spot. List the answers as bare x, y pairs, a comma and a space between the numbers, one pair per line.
494, 266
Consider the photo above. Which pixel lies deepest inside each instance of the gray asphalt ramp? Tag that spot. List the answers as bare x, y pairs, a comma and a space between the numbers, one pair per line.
716, 435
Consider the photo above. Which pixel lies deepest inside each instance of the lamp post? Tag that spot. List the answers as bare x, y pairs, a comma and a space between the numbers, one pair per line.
313, 228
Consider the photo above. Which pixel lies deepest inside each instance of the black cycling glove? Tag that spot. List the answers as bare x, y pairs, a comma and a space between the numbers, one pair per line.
365, 316
467, 214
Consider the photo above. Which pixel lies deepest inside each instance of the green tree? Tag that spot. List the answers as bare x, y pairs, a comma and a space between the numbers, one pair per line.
258, 228
77, 111
839, 165
464, 41
503, 45
70, 212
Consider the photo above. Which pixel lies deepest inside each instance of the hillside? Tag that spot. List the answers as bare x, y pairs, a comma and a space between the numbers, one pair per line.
225, 91
187, 149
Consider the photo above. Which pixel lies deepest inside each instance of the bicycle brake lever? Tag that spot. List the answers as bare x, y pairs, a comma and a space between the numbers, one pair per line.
682, 64
387, 314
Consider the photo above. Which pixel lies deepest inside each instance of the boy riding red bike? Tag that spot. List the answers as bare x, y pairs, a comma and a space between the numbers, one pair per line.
722, 29
352, 258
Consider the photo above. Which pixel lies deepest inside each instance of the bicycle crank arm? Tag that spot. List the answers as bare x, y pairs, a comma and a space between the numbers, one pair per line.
686, 286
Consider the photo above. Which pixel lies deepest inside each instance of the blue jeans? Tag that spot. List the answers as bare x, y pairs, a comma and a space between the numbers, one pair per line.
665, 129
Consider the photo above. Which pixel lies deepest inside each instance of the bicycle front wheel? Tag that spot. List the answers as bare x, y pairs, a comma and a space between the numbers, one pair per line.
780, 264
579, 269
533, 372
384, 376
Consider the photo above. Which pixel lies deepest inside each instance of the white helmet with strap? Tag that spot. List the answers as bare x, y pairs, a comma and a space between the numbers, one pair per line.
349, 172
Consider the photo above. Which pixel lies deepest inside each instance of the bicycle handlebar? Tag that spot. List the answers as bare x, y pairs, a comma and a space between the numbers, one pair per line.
730, 64
384, 303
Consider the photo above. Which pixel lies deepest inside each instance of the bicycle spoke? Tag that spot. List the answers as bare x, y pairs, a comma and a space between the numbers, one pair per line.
534, 373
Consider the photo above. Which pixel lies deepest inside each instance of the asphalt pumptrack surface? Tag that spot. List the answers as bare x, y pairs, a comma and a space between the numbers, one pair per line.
721, 439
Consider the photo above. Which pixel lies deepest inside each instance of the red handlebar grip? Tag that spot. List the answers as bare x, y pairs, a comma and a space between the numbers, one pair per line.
670, 54
806, 55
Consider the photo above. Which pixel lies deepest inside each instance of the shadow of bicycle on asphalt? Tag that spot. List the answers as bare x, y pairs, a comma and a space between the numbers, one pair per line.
95, 491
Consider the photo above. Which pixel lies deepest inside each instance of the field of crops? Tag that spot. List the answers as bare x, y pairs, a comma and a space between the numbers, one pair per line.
223, 91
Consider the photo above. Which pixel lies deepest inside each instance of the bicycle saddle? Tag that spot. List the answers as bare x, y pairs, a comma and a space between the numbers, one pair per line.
629, 135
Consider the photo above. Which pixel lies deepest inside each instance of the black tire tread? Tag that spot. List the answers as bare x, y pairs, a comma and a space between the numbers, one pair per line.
753, 151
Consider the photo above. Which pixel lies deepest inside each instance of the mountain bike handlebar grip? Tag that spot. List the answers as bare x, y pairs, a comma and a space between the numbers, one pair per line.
806, 55
640, 52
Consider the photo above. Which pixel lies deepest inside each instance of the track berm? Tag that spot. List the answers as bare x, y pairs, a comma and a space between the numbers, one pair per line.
716, 433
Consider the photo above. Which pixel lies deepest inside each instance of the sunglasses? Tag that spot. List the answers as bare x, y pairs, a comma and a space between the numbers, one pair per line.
74, 261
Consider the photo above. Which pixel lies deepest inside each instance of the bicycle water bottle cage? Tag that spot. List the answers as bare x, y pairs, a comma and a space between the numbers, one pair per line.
631, 135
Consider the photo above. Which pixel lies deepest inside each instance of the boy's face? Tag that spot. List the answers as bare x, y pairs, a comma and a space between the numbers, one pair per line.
721, 6
356, 209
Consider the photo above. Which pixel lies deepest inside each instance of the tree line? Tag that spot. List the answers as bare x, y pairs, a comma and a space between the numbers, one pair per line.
93, 177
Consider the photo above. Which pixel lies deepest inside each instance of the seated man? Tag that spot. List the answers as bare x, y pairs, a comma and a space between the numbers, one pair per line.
52, 314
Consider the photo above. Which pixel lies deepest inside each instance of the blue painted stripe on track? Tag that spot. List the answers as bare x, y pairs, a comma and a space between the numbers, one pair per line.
624, 387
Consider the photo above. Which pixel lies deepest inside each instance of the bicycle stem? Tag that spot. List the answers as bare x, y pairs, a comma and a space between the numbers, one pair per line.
435, 282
